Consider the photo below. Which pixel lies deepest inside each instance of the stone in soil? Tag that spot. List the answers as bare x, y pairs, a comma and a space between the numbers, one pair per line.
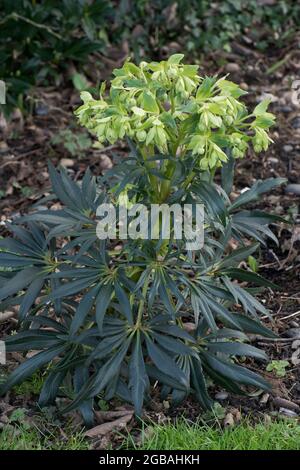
293, 189
296, 344
293, 333
105, 162
285, 109
232, 67
296, 122
67, 162
41, 109
221, 396
286, 404
288, 413
295, 359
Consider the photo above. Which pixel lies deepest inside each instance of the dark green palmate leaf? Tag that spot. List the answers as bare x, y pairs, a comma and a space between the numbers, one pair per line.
233, 372
81, 375
27, 368
138, 377
259, 188
51, 386
227, 173
248, 276
165, 364
236, 349
212, 200
198, 383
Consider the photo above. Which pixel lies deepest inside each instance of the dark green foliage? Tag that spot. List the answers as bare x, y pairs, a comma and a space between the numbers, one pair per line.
40, 40
200, 26
112, 322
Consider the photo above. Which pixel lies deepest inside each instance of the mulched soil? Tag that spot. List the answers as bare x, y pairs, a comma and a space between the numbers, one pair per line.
26, 146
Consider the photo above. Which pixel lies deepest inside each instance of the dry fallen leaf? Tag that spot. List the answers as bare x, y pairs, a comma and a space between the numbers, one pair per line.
295, 359
236, 415
103, 416
6, 316
228, 420
67, 162
103, 429
189, 327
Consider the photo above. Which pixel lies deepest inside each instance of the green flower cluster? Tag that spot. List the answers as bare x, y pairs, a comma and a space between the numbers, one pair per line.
168, 106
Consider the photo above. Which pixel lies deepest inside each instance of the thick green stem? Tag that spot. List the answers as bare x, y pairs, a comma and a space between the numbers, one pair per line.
148, 152
142, 302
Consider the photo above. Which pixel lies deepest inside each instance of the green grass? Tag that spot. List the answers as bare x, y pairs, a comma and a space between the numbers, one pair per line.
282, 435
22, 433
32, 385
20, 438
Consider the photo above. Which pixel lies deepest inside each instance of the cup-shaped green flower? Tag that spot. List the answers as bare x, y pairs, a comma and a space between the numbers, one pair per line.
168, 106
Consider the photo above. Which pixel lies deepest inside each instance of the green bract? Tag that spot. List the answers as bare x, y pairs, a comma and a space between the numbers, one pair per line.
115, 318
169, 106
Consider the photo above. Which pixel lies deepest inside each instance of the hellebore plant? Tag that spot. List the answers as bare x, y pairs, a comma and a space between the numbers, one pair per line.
116, 318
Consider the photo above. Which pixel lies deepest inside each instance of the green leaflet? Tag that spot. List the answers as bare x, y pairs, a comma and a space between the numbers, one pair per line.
235, 373
138, 378
27, 368
237, 349
18, 282
165, 364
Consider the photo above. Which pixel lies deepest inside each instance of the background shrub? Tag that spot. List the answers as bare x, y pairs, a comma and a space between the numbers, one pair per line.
39, 41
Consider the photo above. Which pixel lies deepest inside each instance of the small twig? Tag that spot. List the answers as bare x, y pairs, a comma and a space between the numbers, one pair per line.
269, 265
275, 340
284, 299
279, 63
291, 315
16, 16
10, 163
60, 110
279, 401
106, 149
